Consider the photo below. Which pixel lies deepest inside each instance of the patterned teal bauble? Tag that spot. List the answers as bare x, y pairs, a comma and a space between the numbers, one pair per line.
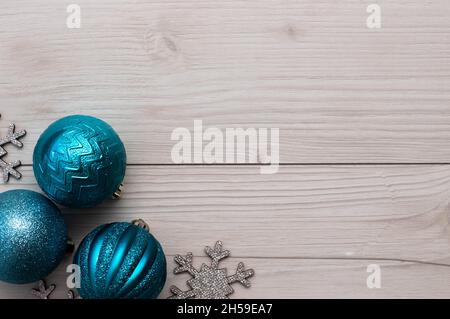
33, 236
79, 161
120, 261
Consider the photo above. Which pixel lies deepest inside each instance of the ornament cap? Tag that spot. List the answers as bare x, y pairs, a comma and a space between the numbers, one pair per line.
118, 193
70, 246
142, 224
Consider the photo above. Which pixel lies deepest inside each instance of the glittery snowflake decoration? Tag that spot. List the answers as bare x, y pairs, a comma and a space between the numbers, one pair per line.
10, 168
209, 282
43, 292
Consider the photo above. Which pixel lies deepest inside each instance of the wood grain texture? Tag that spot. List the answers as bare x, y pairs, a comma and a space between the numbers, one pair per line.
298, 278
300, 223
338, 92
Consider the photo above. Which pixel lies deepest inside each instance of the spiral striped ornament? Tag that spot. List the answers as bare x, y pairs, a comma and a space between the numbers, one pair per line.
120, 261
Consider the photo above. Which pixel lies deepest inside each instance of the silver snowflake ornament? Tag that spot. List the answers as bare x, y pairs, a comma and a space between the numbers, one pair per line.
43, 292
210, 282
8, 169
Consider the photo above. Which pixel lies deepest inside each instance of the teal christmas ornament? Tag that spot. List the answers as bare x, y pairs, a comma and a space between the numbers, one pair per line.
33, 236
79, 161
121, 261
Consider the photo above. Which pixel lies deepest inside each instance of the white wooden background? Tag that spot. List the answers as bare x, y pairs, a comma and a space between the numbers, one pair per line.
364, 119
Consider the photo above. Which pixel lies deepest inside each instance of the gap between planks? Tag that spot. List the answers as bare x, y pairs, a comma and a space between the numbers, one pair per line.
280, 164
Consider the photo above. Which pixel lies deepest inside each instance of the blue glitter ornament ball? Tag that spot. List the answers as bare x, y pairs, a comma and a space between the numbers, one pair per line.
120, 261
79, 161
33, 236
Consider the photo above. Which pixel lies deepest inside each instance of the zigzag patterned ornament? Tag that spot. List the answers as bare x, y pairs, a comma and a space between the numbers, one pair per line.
6, 168
80, 161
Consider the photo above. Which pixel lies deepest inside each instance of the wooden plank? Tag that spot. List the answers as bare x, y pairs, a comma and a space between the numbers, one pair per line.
297, 278
307, 231
398, 213
338, 92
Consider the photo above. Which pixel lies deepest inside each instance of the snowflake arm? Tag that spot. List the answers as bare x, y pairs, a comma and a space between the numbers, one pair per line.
8, 169
180, 294
217, 254
13, 137
185, 265
241, 276
43, 292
